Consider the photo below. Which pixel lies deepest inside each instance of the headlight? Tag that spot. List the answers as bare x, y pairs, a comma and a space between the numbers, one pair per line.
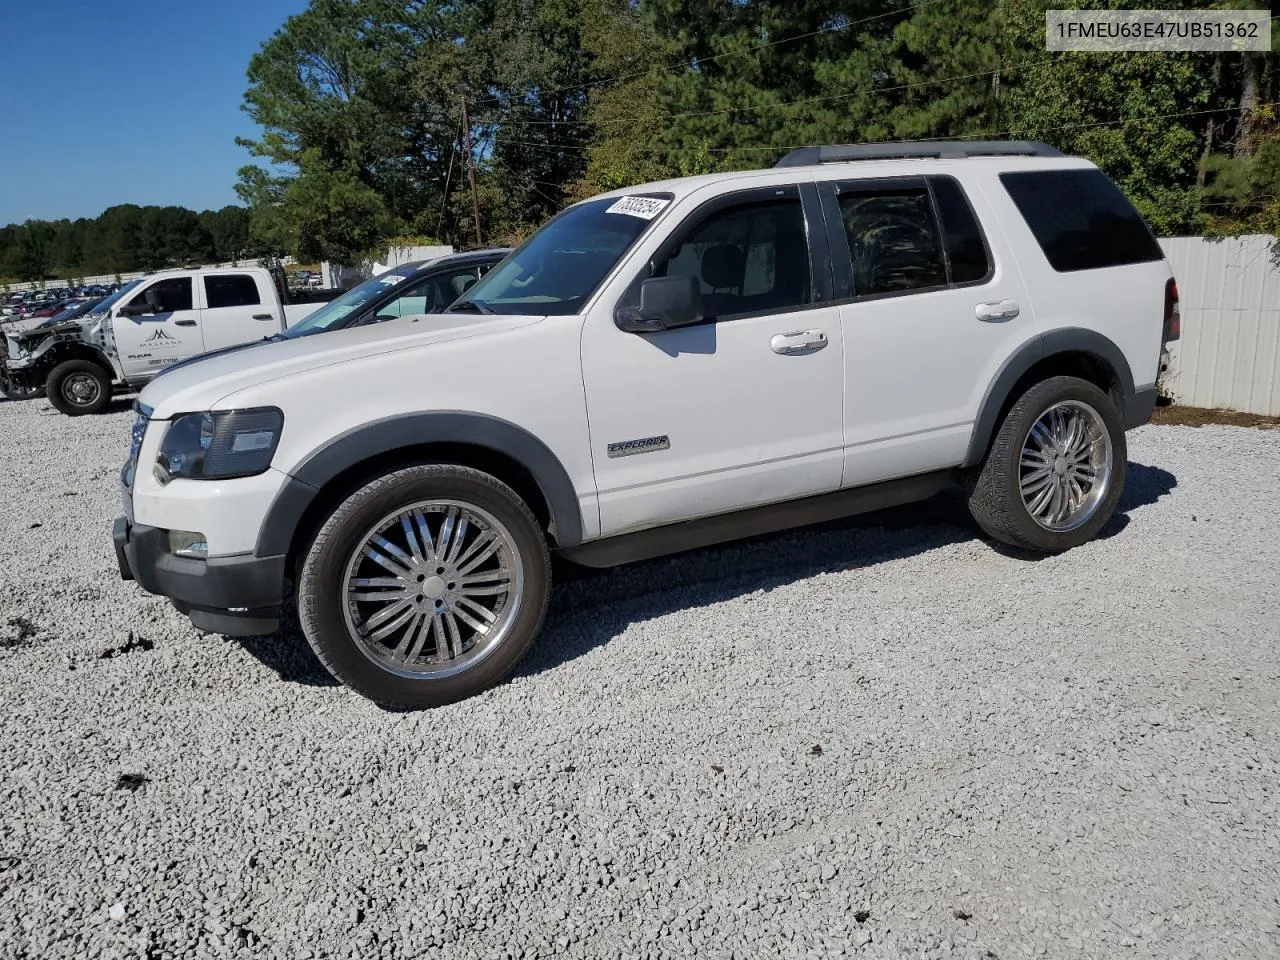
219, 445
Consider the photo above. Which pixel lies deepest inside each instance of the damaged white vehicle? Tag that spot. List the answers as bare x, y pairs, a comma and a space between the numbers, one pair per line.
144, 327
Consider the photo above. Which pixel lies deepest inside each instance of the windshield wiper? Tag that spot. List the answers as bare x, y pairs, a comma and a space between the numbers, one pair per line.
463, 305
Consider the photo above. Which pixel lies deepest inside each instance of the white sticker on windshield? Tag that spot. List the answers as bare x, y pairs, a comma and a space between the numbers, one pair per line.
646, 208
390, 279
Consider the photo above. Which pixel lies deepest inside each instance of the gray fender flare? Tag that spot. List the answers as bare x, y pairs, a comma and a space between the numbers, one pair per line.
405, 432
1067, 340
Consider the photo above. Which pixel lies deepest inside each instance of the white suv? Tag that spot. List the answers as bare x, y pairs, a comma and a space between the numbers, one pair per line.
657, 369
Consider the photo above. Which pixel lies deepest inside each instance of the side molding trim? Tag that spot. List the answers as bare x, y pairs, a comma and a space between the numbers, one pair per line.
692, 534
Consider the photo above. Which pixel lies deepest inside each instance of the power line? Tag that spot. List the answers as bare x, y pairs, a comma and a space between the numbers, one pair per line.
444, 200
1028, 61
1120, 121
698, 61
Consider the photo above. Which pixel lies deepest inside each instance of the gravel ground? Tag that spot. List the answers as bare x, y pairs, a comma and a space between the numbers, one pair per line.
882, 738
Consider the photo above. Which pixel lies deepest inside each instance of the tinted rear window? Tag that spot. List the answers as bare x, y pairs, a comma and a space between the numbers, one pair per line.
231, 290
966, 250
1081, 219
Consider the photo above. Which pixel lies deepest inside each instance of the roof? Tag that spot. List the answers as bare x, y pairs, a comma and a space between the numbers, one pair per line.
918, 150
874, 160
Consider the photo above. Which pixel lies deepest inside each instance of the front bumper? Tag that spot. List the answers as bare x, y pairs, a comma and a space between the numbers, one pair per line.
238, 596
22, 374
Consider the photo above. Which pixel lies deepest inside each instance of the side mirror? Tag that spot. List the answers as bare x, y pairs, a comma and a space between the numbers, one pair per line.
134, 309
665, 302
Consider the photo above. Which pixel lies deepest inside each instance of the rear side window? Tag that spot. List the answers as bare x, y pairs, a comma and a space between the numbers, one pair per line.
231, 290
893, 240
966, 250
1081, 219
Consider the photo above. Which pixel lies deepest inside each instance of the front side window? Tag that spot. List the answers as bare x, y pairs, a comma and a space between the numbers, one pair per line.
894, 240
231, 290
432, 295
557, 270
171, 294
747, 259
333, 315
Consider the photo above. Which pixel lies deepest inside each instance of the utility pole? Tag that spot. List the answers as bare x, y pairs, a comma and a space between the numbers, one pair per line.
471, 169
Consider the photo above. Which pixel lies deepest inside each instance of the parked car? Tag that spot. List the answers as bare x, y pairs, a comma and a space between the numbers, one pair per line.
657, 369
134, 334
423, 286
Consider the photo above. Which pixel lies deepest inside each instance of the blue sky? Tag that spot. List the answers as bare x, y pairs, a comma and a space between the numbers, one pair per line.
125, 101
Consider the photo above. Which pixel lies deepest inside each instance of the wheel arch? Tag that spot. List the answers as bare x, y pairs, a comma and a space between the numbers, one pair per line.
498, 447
1070, 351
57, 351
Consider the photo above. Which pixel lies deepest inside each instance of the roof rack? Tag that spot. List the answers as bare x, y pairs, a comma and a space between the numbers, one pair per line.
917, 150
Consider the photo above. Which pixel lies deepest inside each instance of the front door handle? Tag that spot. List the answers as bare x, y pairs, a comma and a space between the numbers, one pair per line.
996, 310
184, 323
798, 342
263, 316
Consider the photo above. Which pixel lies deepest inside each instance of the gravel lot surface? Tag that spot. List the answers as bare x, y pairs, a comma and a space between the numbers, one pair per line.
883, 738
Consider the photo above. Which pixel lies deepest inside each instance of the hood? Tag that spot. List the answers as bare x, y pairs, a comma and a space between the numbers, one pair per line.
221, 351
201, 383
21, 329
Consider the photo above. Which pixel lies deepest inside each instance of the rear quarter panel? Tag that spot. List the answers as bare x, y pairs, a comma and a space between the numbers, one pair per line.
1125, 304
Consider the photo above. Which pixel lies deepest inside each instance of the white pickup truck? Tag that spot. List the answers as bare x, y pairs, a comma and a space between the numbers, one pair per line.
143, 328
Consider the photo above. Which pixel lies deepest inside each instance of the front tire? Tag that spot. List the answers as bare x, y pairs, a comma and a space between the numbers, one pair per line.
425, 587
1056, 468
79, 387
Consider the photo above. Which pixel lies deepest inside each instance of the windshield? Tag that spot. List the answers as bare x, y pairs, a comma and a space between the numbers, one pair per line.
71, 312
560, 266
331, 315
105, 304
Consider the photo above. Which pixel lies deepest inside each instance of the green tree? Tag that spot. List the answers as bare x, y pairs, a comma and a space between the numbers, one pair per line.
624, 111
1134, 114
228, 231
30, 255
323, 213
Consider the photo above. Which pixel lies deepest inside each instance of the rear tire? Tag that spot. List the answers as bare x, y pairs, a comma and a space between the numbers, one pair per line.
1056, 468
79, 387
414, 618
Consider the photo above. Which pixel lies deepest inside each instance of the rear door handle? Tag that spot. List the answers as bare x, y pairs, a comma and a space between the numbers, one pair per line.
798, 342
263, 316
996, 310
184, 323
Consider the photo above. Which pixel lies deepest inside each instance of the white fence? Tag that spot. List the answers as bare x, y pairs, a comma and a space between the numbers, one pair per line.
1229, 355
106, 278
342, 275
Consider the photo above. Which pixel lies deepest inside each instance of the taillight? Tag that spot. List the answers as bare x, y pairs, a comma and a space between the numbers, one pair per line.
1172, 315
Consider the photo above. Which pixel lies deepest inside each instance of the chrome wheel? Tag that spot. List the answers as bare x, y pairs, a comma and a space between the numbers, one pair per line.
433, 588
81, 389
1065, 466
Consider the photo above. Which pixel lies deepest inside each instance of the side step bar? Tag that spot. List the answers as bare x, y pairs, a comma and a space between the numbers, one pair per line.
693, 534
